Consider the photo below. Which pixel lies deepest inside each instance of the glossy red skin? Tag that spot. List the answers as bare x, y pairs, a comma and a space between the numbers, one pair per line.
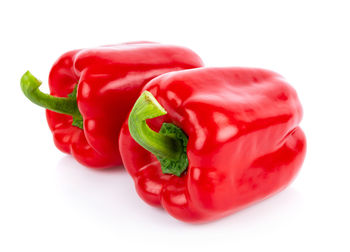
244, 141
109, 81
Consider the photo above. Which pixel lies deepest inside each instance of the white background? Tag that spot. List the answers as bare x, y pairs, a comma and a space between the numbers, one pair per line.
51, 203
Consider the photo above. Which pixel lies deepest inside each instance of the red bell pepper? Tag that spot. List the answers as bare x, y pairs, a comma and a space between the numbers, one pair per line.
228, 137
92, 91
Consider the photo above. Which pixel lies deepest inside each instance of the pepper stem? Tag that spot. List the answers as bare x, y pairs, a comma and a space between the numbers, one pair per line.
169, 145
64, 105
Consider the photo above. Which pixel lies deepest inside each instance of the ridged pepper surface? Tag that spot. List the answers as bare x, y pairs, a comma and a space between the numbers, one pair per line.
92, 91
228, 137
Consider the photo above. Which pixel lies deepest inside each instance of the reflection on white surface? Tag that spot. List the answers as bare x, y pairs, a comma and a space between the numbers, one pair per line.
107, 196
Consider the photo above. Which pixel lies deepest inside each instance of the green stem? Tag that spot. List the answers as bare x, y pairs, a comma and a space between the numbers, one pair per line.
169, 145
64, 105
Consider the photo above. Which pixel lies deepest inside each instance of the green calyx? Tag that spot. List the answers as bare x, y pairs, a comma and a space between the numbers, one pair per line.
178, 166
64, 105
77, 119
168, 145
